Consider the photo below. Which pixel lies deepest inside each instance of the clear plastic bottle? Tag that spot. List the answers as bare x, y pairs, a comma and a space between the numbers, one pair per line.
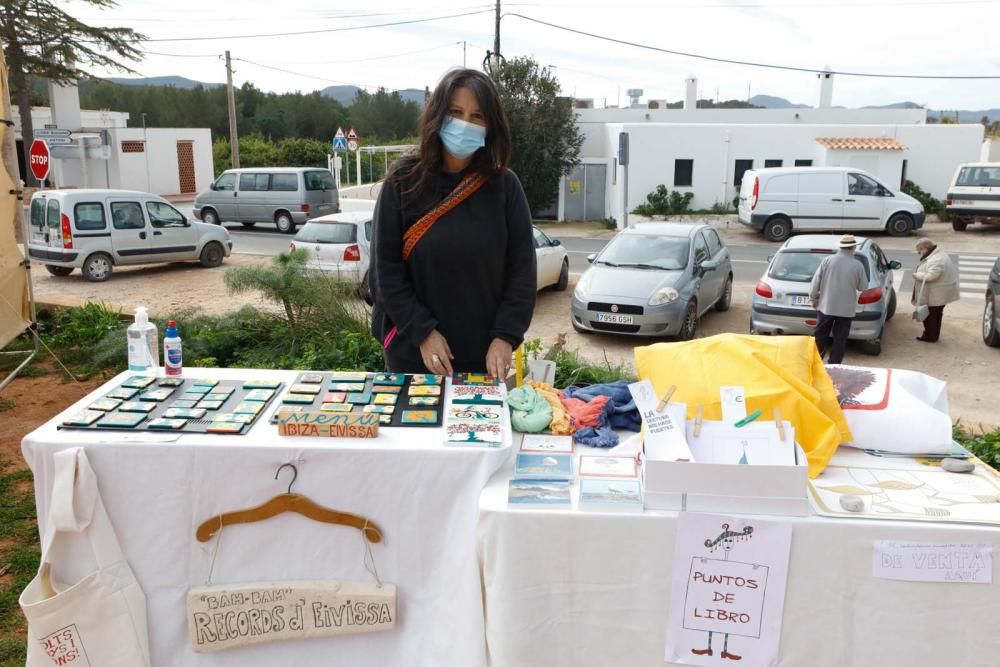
143, 345
172, 354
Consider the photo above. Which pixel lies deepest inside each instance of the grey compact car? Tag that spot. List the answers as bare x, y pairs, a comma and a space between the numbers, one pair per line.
991, 312
781, 303
654, 279
286, 196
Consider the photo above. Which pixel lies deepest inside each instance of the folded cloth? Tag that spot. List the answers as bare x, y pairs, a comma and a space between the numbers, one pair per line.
560, 424
529, 411
583, 413
623, 413
596, 437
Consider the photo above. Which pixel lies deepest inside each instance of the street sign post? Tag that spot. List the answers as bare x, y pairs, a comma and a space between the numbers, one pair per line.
352, 144
39, 159
339, 141
49, 132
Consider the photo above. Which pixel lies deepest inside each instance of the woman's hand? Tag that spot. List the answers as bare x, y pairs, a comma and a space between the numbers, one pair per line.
498, 358
436, 354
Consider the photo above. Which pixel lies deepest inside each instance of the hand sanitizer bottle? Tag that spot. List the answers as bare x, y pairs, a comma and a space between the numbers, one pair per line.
143, 345
172, 356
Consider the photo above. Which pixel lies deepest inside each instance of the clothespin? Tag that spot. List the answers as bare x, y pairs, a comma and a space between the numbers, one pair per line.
697, 420
666, 398
780, 424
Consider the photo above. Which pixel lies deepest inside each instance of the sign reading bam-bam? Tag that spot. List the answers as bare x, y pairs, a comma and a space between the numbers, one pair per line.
328, 425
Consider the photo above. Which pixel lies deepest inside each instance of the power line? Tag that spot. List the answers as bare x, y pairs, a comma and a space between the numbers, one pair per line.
320, 31
309, 76
184, 55
747, 62
758, 5
386, 57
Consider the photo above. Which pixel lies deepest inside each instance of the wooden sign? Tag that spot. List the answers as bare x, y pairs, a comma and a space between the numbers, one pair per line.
328, 424
222, 617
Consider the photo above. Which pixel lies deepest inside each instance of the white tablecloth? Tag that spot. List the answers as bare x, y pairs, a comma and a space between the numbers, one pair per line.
583, 588
159, 487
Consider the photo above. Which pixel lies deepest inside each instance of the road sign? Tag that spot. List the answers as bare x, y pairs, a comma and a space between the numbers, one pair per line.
48, 132
352, 144
340, 133
38, 157
53, 141
351, 134
339, 144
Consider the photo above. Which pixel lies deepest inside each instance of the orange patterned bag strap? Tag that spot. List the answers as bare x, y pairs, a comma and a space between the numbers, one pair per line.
462, 191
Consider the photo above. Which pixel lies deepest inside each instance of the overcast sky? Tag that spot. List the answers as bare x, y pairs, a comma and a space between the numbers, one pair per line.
927, 37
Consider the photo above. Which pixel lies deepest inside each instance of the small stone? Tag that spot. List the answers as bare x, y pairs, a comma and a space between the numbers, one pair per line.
852, 503
958, 465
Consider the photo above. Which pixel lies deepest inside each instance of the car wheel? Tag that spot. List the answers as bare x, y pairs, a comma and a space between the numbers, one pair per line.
563, 277
991, 335
722, 305
364, 290
61, 271
891, 309
98, 267
284, 223
900, 225
959, 224
248, 224
872, 347
210, 217
778, 229
690, 324
212, 255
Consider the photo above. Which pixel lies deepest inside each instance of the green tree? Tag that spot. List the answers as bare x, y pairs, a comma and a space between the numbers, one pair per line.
546, 140
383, 116
297, 152
42, 40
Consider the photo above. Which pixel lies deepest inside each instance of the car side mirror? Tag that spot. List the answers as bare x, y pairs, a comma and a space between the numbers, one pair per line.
212, 187
555, 242
895, 265
591, 257
708, 265
769, 258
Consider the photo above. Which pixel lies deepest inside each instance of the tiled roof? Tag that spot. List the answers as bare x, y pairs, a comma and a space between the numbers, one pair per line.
861, 144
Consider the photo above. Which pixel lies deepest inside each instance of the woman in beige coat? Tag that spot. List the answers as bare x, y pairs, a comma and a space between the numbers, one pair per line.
935, 284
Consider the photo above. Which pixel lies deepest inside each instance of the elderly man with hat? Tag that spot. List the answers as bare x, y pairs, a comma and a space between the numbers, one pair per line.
834, 293
935, 284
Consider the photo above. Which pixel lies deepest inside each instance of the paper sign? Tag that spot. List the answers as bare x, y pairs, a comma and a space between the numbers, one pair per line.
664, 432
727, 592
328, 424
933, 562
734, 404
757, 443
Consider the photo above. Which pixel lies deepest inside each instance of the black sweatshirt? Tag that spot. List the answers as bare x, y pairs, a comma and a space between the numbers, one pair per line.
472, 276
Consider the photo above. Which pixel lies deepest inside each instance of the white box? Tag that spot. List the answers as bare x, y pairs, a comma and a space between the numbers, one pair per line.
719, 487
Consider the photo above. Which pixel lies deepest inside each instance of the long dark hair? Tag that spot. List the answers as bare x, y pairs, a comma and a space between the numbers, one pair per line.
422, 169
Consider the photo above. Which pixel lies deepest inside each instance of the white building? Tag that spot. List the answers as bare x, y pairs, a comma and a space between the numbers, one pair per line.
106, 153
706, 151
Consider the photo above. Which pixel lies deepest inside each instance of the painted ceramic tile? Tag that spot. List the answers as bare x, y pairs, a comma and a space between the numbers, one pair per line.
305, 388
184, 403
122, 420
122, 392
207, 382
336, 407
233, 417
262, 384
208, 405
430, 401
249, 407
386, 389
425, 390
348, 387
188, 396
385, 399
311, 378
486, 414
217, 396
474, 432
476, 395
379, 409
157, 394
136, 406
169, 382
105, 404
348, 376
259, 395
396, 379
183, 413
335, 397
200, 391
419, 417
359, 398
385, 420
225, 427
298, 398
423, 378
474, 379
138, 382
167, 424
85, 418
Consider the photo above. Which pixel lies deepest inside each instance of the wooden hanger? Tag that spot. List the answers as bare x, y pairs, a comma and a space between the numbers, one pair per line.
288, 502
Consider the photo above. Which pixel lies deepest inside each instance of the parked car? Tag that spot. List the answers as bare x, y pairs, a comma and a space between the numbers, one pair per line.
991, 312
780, 201
96, 230
654, 279
286, 196
339, 244
974, 195
781, 303
552, 261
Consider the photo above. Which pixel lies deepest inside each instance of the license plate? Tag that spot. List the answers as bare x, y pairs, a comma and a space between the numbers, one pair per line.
801, 301
614, 318
963, 202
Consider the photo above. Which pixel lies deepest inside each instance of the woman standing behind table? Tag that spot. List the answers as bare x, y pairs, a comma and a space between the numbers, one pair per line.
453, 258
935, 283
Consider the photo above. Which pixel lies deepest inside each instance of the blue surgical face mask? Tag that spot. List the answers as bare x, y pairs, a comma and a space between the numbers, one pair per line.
461, 138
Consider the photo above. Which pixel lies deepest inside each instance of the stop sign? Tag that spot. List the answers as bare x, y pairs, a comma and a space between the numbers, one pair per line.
38, 159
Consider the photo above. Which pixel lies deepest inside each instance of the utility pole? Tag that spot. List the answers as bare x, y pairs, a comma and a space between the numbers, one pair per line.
234, 140
496, 39
463, 54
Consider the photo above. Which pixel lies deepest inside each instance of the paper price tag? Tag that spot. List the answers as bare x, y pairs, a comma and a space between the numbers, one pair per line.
734, 404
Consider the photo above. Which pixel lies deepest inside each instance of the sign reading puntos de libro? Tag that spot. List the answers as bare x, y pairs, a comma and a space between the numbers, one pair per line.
227, 616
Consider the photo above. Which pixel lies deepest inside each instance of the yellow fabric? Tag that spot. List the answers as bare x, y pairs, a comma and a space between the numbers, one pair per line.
784, 372
560, 424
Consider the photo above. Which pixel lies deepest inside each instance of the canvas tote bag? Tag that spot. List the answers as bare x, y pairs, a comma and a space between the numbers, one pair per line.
99, 621
921, 311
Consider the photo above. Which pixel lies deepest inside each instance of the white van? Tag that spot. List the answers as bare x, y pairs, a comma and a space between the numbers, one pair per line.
974, 195
824, 199
96, 230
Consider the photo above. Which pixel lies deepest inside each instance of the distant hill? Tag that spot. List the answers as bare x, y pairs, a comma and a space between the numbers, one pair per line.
176, 81
345, 94
895, 105
771, 102
967, 116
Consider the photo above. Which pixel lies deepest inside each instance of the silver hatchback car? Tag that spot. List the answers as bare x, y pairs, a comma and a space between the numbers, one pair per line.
654, 279
781, 303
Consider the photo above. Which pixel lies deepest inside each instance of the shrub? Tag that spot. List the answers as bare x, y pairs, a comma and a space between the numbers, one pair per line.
664, 202
572, 369
985, 444
931, 205
303, 153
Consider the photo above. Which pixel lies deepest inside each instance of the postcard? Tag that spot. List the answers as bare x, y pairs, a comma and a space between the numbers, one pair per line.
105, 404
259, 395
157, 394
396, 379
183, 413
412, 417
487, 414
422, 378
305, 389
379, 409
348, 376
544, 493
208, 405
474, 433
544, 466
85, 418
349, 387
298, 398
385, 399
608, 466
425, 390
424, 401
541, 443
169, 382
122, 392
618, 494
262, 384
139, 382
167, 424
336, 407
136, 406
311, 378
122, 420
